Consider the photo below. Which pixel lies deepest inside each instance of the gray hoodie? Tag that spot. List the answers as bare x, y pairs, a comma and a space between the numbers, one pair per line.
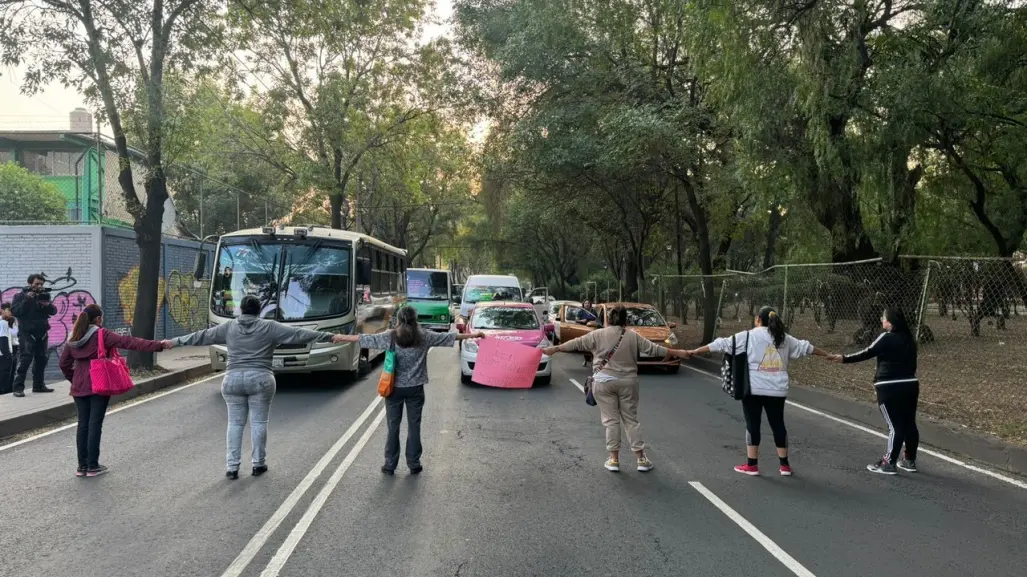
251, 341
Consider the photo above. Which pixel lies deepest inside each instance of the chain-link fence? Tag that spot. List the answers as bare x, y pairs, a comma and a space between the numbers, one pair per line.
969, 315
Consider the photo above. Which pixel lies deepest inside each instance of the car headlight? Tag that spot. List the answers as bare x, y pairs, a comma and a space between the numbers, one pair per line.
672, 339
470, 346
544, 344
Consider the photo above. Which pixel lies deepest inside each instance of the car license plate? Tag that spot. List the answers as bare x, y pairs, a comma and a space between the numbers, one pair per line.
277, 362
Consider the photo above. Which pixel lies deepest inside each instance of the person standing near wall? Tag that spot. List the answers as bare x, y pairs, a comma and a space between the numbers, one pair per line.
33, 308
6, 348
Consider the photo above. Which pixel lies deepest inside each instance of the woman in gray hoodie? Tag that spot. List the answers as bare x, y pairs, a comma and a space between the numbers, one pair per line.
249, 383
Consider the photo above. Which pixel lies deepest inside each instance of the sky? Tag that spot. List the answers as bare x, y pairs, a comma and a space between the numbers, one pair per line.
50, 109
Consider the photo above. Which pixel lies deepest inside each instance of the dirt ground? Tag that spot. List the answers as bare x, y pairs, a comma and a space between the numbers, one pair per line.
976, 382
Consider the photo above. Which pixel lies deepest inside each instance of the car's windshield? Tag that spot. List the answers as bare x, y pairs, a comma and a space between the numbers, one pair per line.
644, 317
315, 282
505, 318
427, 285
294, 281
485, 293
245, 269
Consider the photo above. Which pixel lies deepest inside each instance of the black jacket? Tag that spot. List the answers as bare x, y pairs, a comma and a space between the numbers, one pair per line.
896, 359
32, 312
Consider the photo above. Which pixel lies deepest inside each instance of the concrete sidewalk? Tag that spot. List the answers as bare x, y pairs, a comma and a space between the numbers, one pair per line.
37, 410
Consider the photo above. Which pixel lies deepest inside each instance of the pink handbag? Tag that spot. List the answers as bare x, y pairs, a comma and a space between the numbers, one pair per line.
109, 374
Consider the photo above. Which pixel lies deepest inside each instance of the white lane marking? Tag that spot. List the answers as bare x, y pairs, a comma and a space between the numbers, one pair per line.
942, 456
272, 524
580, 386
112, 411
274, 567
778, 553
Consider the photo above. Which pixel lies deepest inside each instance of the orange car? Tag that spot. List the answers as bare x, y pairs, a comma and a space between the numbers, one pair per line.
642, 318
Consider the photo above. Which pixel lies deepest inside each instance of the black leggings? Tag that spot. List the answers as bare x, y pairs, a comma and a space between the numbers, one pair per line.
91, 411
752, 408
898, 406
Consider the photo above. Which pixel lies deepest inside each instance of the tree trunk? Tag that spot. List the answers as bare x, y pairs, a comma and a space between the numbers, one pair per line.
148, 239
336, 208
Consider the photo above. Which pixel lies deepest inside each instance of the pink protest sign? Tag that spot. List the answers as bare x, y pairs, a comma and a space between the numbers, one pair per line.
505, 364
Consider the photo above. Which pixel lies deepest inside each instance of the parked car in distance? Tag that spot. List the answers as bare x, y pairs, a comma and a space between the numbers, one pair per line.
510, 321
642, 318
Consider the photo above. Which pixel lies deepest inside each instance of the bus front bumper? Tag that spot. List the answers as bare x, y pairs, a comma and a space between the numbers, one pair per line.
344, 357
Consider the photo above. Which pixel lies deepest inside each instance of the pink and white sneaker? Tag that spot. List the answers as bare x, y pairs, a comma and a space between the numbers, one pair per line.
786, 470
751, 470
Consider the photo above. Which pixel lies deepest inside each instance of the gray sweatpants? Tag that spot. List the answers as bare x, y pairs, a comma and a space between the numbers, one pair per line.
247, 394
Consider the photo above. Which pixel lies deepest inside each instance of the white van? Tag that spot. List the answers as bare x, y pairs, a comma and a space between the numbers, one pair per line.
485, 287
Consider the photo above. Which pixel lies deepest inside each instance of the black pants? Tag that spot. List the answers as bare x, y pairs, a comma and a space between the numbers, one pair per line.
898, 405
753, 407
413, 398
91, 411
33, 352
6, 374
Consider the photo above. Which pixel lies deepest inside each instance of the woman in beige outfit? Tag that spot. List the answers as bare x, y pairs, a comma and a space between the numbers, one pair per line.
616, 385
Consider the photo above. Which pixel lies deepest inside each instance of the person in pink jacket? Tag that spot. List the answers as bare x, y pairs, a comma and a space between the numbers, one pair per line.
81, 348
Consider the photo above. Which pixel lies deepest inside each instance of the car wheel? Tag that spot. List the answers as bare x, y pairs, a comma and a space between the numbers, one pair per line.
364, 364
465, 379
544, 381
673, 370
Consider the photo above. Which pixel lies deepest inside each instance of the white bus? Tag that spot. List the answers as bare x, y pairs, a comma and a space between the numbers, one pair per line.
312, 277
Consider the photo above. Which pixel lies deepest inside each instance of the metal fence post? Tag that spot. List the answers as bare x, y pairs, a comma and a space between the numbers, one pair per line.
720, 303
784, 306
923, 301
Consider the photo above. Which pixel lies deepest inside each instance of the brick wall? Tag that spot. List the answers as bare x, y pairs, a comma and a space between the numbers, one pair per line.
69, 258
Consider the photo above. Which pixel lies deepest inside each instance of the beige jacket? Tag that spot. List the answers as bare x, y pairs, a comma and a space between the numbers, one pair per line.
624, 363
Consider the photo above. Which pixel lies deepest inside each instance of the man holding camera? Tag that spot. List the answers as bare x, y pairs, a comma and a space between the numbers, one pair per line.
33, 308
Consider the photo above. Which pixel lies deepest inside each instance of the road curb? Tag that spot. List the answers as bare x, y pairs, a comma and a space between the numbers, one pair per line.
53, 415
944, 435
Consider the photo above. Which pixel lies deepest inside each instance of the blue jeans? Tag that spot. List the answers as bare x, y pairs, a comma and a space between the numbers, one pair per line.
247, 393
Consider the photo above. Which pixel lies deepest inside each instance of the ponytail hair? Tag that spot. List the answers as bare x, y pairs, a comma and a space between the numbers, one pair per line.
83, 321
408, 333
770, 319
618, 316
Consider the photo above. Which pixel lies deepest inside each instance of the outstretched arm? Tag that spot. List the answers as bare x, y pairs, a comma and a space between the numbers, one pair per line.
206, 337
870, 352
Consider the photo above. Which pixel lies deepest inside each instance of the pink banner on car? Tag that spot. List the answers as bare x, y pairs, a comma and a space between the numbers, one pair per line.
505, 364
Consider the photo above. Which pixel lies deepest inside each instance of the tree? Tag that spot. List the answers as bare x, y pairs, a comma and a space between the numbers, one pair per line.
27, 197
117, 54
347, 73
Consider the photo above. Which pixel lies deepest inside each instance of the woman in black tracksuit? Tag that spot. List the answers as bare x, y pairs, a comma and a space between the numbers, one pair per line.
897, 389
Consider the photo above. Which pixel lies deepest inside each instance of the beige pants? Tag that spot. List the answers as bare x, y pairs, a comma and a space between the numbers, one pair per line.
618, 404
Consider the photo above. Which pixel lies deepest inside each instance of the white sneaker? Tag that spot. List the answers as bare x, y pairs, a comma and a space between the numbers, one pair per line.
612, 465
644, 464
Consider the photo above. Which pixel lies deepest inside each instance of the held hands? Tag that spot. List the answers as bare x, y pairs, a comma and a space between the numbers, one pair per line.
168, 345
836, 358
550, 351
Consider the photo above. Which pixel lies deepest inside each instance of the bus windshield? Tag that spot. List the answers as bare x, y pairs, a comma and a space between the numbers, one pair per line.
427, 285
293, 280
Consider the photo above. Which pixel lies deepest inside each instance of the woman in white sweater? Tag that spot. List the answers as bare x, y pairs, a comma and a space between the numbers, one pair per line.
769, 349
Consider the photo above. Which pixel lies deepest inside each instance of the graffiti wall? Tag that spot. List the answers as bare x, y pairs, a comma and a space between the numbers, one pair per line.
183, 300
69, 259
86, 264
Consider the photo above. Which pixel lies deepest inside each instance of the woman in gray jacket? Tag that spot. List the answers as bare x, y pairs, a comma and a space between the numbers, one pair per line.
249, 383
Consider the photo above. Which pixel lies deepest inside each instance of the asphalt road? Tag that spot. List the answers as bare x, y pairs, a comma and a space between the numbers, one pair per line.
513, 486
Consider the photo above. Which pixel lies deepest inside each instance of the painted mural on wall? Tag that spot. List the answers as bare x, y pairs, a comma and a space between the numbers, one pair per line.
70, 302
185, 302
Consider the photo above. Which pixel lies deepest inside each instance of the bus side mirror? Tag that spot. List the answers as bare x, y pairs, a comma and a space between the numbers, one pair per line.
200, 265
363, 272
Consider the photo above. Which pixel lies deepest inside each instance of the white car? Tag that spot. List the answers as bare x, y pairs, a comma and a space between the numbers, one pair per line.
511, 321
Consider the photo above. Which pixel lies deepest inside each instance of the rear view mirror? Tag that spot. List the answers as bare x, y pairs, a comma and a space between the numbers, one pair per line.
200, 265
